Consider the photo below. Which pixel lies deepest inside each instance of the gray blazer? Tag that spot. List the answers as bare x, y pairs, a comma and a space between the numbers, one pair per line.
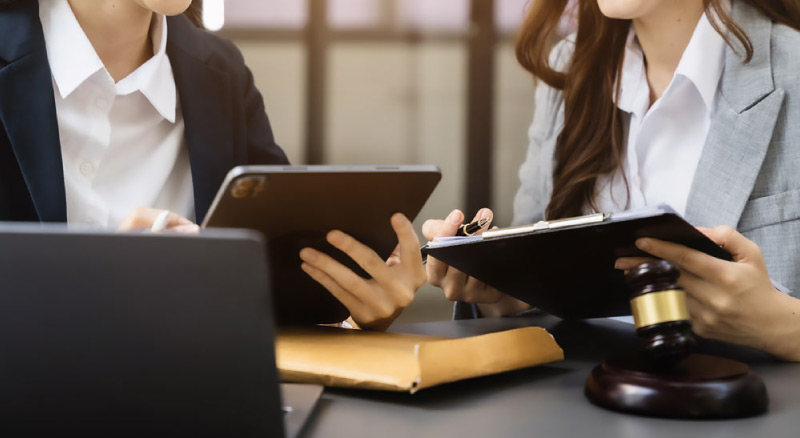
749, 173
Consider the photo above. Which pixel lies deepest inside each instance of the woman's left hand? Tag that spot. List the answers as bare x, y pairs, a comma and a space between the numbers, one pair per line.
373, 303
731, 301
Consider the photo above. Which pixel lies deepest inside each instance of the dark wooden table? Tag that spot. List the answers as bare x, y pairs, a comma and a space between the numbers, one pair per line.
544, 401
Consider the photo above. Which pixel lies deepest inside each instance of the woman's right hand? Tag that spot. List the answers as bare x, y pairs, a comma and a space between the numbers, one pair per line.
457, 285
142, 218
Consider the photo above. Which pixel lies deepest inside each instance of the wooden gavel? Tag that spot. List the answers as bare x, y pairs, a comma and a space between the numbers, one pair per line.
659, 312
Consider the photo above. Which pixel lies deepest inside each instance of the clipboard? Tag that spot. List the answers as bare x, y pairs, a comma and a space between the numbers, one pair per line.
566, 267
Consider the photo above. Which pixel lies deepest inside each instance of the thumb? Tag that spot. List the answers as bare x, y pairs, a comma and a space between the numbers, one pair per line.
740, 247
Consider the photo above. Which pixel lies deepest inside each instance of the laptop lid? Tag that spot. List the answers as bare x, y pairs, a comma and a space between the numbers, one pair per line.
135, 334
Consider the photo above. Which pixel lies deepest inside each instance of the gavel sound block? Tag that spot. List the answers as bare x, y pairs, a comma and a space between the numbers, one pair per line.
664, 378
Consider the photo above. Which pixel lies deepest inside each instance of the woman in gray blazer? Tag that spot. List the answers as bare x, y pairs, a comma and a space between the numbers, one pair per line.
689, 102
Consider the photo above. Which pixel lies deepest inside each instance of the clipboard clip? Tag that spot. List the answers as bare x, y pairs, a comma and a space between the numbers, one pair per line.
546, 225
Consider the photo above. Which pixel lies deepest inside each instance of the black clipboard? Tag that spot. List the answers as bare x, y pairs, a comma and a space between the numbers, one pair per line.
566, 267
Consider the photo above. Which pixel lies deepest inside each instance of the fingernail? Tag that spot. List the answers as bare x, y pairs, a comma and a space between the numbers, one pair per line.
643, 244
620, 265
455, 217
307, 254
485, 214
398, 219
335, 237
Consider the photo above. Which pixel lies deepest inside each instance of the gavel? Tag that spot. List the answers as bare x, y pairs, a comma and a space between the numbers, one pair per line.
664, 378
659, 312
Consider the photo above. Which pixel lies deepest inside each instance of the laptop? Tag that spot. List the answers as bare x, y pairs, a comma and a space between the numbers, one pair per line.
139, 335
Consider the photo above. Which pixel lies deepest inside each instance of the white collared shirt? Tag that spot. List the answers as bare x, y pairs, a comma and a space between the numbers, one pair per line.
665, 141
122, 144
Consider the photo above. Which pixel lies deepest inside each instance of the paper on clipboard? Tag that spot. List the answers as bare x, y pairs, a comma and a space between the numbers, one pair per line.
589, 219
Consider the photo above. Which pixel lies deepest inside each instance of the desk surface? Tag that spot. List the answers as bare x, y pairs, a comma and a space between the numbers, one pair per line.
545, 401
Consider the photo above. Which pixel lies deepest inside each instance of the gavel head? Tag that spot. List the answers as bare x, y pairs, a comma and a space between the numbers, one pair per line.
659, 311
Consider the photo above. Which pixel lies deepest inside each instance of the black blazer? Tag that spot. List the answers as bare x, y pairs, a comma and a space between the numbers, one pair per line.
226, 124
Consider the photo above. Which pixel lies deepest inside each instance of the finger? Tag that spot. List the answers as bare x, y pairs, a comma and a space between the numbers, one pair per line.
394, 259
696, 311
435, 268
407, 239
436, 271
144, 217
184, 229
454, 285
363, 255
696, 287
695, 262
353, 304
431, 228
139, 218
484, 213
479, 292
450, 225
342, 275
740, 247
176, 220
628, 263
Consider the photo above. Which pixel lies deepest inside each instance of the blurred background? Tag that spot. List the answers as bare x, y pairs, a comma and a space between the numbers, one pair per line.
394, 82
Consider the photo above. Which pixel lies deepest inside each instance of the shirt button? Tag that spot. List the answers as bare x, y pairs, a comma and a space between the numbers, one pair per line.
86, 168
101, 103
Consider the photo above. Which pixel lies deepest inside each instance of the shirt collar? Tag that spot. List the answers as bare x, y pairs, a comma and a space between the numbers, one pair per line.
73, 60
154, 78
70, 54
703, 59
634, 91
701, 63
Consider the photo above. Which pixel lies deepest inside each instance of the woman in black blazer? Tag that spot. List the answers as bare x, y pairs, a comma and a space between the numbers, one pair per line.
225, 126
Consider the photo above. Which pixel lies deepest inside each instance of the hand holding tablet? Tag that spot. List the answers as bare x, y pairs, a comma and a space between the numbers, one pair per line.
297, 208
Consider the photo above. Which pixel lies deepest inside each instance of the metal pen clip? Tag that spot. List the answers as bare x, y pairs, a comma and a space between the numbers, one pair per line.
546, 225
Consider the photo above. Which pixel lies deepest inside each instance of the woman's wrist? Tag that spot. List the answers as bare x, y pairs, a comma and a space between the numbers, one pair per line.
782, 333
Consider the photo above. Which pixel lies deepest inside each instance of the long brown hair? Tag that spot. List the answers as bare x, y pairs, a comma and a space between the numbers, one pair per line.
195, 13
591, 143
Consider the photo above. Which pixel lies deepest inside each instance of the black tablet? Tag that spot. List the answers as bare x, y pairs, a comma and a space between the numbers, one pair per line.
296, 206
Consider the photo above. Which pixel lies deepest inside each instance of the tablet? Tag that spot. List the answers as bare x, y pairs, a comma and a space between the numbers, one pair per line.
296, 206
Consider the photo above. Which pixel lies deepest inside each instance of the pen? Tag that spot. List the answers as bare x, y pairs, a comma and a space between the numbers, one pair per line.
160, 224
472, 228
466, 230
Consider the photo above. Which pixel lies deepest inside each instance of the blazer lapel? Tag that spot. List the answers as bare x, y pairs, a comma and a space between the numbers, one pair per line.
746, 114
28, 112
206, 99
